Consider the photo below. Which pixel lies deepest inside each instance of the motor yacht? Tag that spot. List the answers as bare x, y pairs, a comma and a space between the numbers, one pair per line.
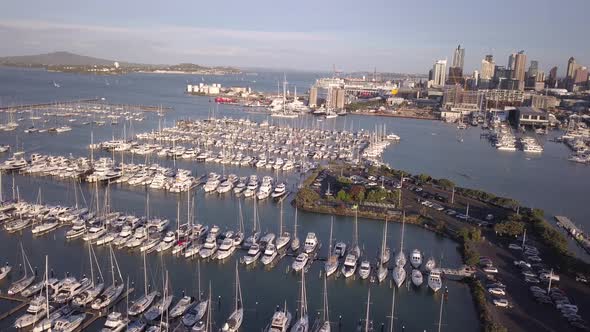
270, 253
279, 191
115, 322
209, 247
430, 264
253, 253
280, 322
300, 262
416, 258
340, 249
365, 269
69, 323
311, 243
226, 248
417, 278
434, 280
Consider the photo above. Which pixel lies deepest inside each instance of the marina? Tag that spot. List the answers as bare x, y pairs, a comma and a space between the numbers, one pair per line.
222, 210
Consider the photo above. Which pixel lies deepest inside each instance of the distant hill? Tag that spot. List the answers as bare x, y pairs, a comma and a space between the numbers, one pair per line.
55, 59
70, 62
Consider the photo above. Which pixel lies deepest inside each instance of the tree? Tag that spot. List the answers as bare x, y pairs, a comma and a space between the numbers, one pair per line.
445, 183
342, 196
509, 227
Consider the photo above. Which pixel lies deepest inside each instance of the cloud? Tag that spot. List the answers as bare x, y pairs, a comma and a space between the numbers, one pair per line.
163, 43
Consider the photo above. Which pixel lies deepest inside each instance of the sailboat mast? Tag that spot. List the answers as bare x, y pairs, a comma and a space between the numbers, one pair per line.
330, 244
47, 284
368, 307
442, 301
383, 244
199, 279
392, 310
112, 265
145, 285
281, 220
91, 265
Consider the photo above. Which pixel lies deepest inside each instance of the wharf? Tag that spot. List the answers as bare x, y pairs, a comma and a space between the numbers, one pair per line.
574, 231
29, 106
23, 303
89, 102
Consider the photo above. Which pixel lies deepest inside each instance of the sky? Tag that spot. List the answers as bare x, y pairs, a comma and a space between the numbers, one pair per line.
391, 36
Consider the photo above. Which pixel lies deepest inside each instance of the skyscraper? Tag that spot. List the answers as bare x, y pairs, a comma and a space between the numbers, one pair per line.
487, 67
458, 57
439, 71
511, 60
571, 68
552, 81
533, 68
519, 69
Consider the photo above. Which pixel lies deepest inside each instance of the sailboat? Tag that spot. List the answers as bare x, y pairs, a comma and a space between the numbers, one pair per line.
385, 254
295, 244
198, 310
207, 325
88, 295
399, 273
112, 292
234, 321
162, 305
38, 308
302, 324
141, 304
253, 239
323, 325
331, 264
284, 237
26, 281
351, 260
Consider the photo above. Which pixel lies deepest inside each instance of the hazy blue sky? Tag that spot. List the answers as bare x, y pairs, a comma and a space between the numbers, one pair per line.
405, 36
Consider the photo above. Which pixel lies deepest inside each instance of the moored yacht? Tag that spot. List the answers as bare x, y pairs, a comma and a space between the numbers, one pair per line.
417, 278
252, 254
300, 262
365, 269
434, 280
416, 258
311, 243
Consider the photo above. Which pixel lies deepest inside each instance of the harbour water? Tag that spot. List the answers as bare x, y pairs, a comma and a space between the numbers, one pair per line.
428, 147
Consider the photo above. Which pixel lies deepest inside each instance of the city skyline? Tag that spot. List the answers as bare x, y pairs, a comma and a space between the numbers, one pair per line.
297, 36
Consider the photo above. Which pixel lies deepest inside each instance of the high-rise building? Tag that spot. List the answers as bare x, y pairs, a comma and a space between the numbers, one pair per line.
581, 75
511, 61
552, 80
533, 68
519, 69
458, 57
455, 75
487, 67
439, 71
313, 97
571, 68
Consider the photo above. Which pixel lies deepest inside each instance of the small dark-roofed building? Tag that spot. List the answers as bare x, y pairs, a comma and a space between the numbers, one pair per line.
531, 116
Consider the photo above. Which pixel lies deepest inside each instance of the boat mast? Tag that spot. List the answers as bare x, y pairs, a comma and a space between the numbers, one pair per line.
330, 243
199, 279
47, 284
145, 285
91, 265
281, 220
442, 301
295, 225
326, 314
368, 308
401, 246
384, 242
392, 310
355, 234
112, 265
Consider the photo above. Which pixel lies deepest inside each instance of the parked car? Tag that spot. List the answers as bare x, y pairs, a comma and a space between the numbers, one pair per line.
514, 246
501, 303
490, 269
497, 291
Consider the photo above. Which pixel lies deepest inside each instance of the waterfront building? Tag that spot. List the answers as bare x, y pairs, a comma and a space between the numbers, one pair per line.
439, 73
501, 74
500, 98
531, 116
455, 75
543, 102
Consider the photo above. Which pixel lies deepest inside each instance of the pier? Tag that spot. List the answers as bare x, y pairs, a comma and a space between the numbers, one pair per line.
23, 302
574, 231
98, 102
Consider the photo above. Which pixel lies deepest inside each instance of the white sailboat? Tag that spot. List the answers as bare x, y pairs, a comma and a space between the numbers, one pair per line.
284, 237
88, 295
331, 264
198, 310
141, 304
26, 281
323, 324
351, 261
302, 324
111, 293
295, 244
234, 321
